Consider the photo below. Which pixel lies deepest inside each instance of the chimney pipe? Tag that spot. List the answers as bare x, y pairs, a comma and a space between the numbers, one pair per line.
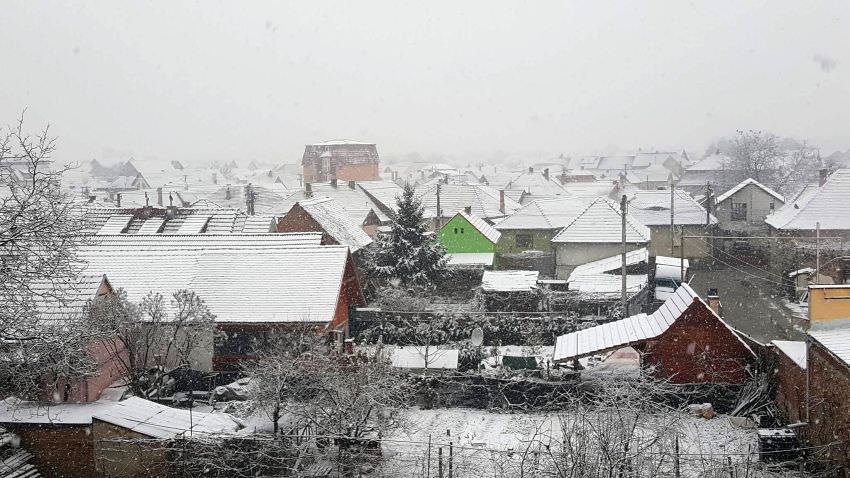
147, 200
351, 184
118, 200
468, 210
308, 190
546, 173
227, 195
714, 302
530, 169
215, 178
159, 197
823, 177
502, 201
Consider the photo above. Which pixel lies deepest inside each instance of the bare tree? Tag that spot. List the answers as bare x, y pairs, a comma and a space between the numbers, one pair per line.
39, 235
762, 156
149, 339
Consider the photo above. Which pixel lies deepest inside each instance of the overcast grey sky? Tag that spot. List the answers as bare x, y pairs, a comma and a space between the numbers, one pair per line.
234, 80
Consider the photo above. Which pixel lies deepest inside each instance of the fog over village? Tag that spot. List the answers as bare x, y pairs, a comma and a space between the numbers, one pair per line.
436, 240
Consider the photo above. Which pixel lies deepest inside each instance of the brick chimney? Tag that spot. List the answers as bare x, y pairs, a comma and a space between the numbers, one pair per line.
351, 185
714, 302
823, 176
118, 200
546, 173
502, 201
308, 190
227, 193
468, 210
159, 197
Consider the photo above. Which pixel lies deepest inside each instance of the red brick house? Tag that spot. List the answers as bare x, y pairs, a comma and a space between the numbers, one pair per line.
344, 160
685, 341
325, 215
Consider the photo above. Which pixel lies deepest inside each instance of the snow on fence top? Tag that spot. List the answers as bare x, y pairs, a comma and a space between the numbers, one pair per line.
509, 281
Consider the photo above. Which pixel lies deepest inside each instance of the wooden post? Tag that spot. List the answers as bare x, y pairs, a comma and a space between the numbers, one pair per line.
451, 454
440, 462
676, 470
428, 466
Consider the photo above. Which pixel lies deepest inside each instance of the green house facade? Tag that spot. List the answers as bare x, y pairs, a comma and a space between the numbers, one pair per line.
465, 233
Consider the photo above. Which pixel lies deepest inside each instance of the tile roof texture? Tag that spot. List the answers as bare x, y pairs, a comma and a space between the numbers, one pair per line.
544, 214
824, 205
336, 222
601, 222
484, 200
487, 230
242, 278
652, 208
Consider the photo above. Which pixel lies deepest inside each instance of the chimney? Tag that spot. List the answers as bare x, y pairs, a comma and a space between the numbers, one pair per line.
530, 169
185, 182
147, 200
351, 185
714, 302
227, 195
308, 190
159, 197
546, 173
118, 200
468, 210
502, 201
215, 178
824, 174
422, 173
171, 212
333, 183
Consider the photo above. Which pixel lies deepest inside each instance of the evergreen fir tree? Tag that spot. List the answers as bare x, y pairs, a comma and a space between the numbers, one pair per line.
410, 254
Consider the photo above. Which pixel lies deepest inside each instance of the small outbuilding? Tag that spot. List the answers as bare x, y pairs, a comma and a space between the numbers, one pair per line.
469, 240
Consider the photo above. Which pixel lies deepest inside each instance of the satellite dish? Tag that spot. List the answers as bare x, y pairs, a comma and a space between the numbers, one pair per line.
477, 337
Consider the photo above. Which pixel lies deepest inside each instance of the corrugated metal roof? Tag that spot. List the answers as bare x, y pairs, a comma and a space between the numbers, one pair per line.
601, 222
833, 337
336, 222
632, 329
487, 230
151, 226
160, 421
595, 278
544, 214
509, 281
258, 225
746, 183
817, 205
116, 224
652, 208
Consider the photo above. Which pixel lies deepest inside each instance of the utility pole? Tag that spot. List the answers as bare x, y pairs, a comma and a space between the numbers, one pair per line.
672, 223
624, 297
709, 200
817, 252
439, 218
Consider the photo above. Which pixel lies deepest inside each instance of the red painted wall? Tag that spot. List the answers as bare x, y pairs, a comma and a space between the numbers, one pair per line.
699, 348
297, 220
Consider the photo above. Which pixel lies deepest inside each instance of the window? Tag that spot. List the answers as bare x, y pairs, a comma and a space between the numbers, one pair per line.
772, 206
461, 230
739, 211
455, 230
524, 240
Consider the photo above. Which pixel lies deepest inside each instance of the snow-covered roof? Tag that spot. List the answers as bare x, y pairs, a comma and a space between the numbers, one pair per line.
258, 224
65, 299
336, 222
487, 230
413, 357
595, 278
795, 350
714, 162
339, 142
745, 183
159, 421
544, 214
590, 190
536, 184
601, 222
509, 281
470, 258
652, 208
834, 336
243, 278
483, 200
630, 330
383, 193
116, 224
822, 205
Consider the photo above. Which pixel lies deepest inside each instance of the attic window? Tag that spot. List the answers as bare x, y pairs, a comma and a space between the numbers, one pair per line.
455, 230
461, 230
524, 240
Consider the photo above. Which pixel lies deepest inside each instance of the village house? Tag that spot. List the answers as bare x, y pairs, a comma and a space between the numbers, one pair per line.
685, 341
130, 438
469, 240
532, 228
484, 201
599, 283
743, 208
816, 206
712, 169
652, 209
343, 160
325, 215
536, 185
596, 233
255, 284
814, 376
